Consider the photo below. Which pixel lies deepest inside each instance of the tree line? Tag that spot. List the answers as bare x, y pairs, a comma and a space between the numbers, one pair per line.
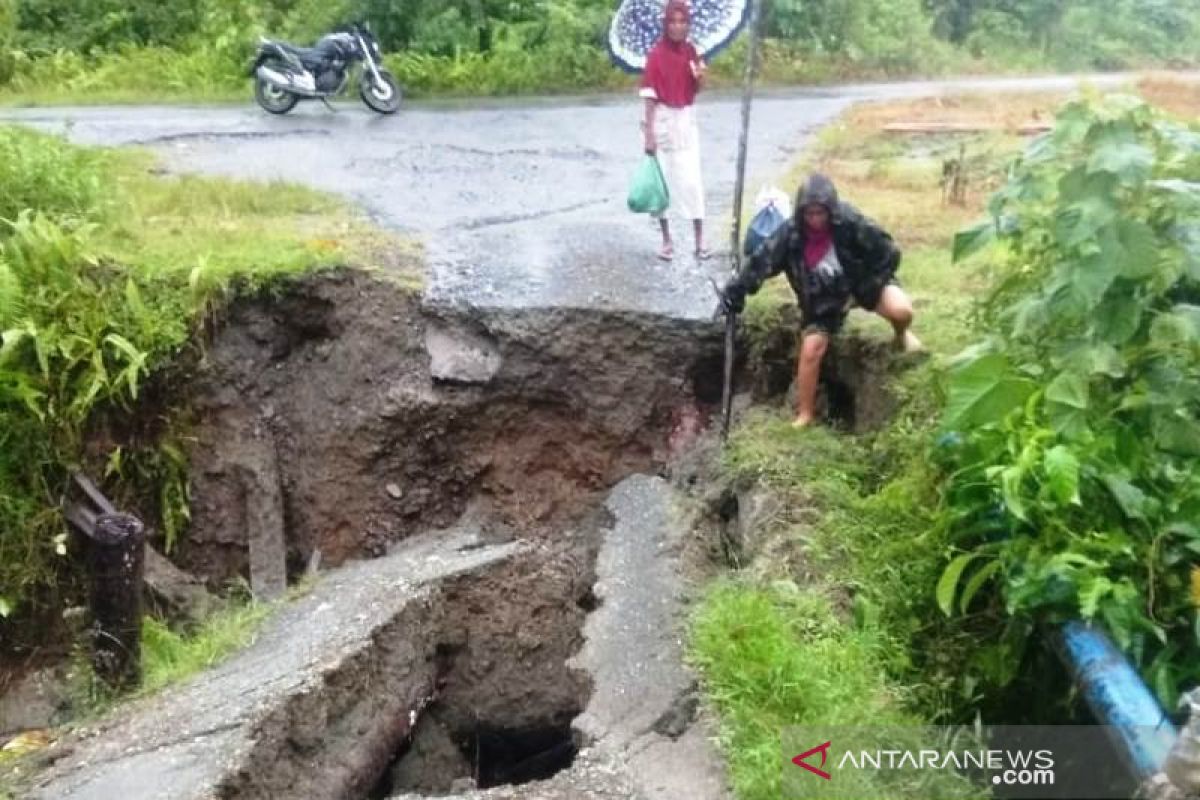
898, 33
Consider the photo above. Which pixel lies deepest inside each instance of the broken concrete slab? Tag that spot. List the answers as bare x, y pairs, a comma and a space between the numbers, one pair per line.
643, 705
322, 697
260, 479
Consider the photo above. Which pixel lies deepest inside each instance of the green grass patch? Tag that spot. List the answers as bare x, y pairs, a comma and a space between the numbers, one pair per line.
779, 656
230, 228
169, 656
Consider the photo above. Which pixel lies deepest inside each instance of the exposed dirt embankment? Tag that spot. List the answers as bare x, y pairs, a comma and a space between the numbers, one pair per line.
369, 417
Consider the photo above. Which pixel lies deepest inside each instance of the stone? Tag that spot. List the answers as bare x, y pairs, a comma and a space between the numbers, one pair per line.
433, 763
38, 700
456, 356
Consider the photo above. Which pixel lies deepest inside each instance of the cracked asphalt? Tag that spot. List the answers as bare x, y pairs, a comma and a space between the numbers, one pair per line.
520, 204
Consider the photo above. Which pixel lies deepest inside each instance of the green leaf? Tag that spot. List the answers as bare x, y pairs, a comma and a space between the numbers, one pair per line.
1188, 191
8, 342
1176, 432
133, 298
1138, 255
1188, 239
1069, 423
1062, 474
1011, 479
1092, 276
976, 583
1119, 316
1094, 590
1123, 157
1098, 359
1068, 389
1179, 326
983, 391
1132, 500
5, 607
971, 240
949, 581
1087, 205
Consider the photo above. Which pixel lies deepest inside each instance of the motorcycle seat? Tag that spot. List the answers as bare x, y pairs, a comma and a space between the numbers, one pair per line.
309, 56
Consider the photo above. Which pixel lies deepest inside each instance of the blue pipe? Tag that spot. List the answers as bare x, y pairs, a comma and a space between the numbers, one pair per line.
1118, 697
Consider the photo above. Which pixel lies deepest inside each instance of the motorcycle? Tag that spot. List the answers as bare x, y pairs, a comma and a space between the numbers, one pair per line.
284, 74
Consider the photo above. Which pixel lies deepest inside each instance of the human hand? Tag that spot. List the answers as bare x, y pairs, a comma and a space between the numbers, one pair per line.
733, 297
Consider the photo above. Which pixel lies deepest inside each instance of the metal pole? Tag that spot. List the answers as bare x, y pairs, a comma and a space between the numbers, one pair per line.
739, 186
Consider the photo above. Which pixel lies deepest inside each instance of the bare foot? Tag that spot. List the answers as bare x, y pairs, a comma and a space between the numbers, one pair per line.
908, 343
802, 421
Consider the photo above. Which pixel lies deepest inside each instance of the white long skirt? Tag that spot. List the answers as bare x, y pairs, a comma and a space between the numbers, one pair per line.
678, 138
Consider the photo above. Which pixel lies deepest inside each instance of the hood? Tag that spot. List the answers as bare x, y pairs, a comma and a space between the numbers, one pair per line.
817, 189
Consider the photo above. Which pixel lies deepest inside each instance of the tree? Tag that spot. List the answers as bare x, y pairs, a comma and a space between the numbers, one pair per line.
8, 39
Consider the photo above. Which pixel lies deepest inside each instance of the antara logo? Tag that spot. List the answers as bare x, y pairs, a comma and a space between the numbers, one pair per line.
823, 749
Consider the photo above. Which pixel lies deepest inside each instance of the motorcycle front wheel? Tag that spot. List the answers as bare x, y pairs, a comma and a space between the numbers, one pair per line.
384, 97
272, 98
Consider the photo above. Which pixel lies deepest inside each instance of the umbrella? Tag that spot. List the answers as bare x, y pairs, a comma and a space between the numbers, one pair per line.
638, 24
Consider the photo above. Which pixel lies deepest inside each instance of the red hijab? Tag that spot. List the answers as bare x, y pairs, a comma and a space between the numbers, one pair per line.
669, 65
816, 244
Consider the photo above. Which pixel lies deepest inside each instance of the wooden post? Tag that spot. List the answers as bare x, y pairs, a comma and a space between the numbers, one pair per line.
115, 566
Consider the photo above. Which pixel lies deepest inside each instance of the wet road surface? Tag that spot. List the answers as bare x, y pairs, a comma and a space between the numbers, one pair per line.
519, 203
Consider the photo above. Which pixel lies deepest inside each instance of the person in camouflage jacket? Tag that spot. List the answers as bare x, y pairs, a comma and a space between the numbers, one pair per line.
832, 255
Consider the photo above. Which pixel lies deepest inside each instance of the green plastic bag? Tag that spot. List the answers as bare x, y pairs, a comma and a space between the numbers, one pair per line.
648, 191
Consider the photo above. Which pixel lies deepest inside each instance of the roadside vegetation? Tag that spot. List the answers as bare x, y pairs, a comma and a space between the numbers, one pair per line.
107, 268
910, 574
55, 51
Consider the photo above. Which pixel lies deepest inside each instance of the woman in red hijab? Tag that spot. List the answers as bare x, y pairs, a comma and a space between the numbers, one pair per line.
674, 74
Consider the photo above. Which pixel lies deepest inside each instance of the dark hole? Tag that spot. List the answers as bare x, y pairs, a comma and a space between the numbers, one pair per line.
728, 508
503, 757
588, 601
839, 404
708, 380
732, 546
489, 757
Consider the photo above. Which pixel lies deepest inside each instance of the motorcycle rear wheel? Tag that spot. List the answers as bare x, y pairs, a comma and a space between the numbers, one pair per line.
273, 99
384, 99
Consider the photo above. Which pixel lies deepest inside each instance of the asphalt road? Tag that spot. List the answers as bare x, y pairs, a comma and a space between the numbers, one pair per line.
519, 203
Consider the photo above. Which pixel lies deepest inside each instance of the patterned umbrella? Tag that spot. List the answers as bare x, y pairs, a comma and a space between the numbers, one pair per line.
638, 24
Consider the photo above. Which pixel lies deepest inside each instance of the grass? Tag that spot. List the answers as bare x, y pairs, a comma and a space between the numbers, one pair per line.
171, 224
171, 656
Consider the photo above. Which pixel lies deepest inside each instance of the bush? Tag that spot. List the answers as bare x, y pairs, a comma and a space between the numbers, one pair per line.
47, 174
48, 25
1074, 430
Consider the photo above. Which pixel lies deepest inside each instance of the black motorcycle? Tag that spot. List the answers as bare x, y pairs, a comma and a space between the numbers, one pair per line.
284, 75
